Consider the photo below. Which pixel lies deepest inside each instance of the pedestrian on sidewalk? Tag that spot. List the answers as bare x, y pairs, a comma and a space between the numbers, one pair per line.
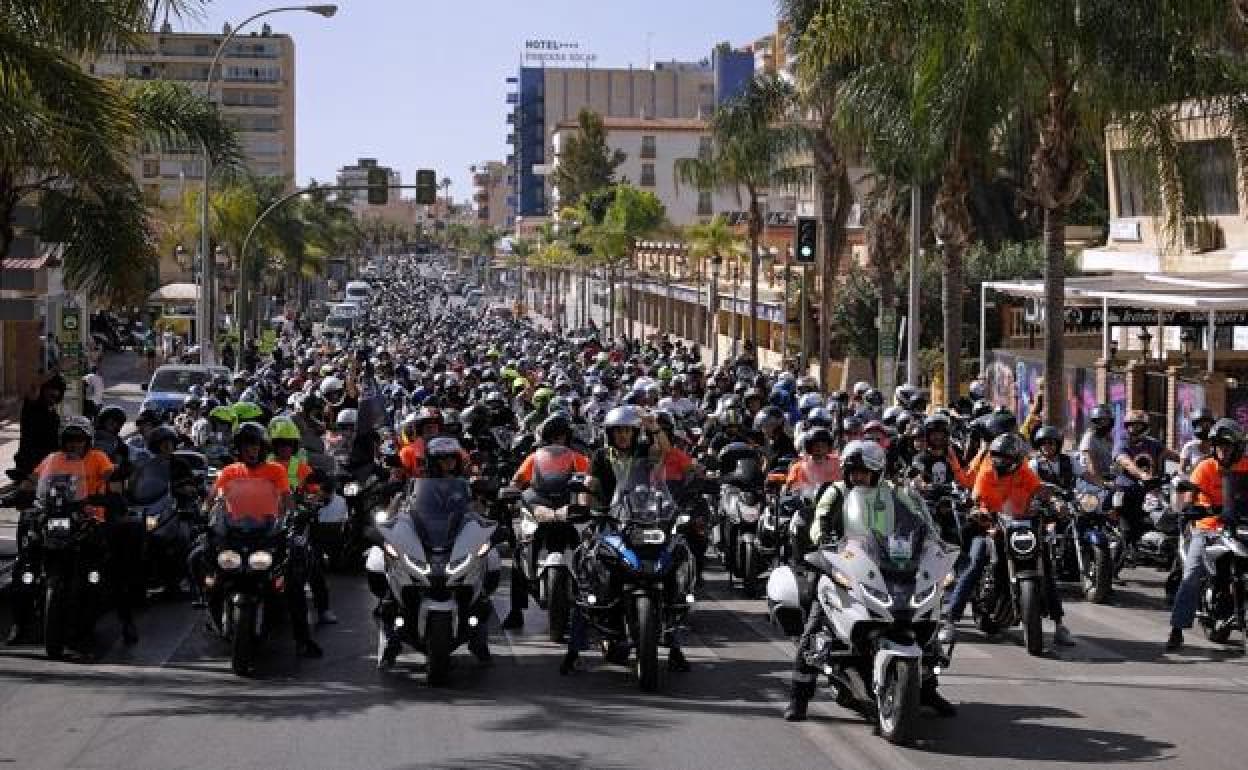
39, 427
93, 392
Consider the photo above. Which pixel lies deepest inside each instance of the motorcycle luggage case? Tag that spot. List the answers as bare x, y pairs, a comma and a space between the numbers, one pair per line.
787, 595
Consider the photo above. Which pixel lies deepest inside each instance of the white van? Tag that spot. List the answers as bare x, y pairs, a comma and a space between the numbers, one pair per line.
344, 310
358, 292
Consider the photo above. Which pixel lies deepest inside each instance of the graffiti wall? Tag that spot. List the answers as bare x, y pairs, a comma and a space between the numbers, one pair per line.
1188, 397
1014, 382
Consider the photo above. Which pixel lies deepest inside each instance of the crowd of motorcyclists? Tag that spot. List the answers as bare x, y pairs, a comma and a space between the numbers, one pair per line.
545, 440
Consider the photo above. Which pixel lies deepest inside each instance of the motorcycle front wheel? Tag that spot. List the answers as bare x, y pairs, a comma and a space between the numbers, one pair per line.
559, 603
1098, 576
647, 643
897, 703
439, 641
57, 615
1029, 614
243, 645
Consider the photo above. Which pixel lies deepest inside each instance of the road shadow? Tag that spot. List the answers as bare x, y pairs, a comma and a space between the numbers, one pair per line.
1015, 732
523, 762
1142, 651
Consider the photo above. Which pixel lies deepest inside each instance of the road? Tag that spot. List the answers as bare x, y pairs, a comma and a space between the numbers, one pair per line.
1115, 699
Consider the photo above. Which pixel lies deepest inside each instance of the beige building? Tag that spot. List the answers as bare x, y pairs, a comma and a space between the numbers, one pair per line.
491, 187
254, 83
357, 176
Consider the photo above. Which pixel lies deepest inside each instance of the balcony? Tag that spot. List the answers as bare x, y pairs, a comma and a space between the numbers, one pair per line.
511, 139
513, 98
511, 118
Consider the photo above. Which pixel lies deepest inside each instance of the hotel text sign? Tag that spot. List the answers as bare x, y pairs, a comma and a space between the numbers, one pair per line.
542, 52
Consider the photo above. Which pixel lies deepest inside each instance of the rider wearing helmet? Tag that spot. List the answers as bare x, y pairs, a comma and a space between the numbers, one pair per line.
1050, 463
1005, 485
250, 445
286, 444
862, 465
938, 464
417, 431
1227, 438
1196, 450
820, 463
1096, 448
1139, 458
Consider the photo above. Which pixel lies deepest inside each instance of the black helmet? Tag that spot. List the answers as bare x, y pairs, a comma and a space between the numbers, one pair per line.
250, 434
159, 435
937, 422
1101, 413
1202, 422
1002, 422
815, 435
866, 456
874, 397
111, 414
75, 427
1006, 452
553, 427
981, 408
1228, 432
853, 424
1049, 433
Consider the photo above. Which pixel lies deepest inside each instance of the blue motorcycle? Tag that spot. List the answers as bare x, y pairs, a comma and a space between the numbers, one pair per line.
635, 577
1084, 542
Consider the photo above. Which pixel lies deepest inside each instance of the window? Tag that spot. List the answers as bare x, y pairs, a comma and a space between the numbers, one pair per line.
704, 149
648, 149
1209, 172
647, 175
151, 168
1135, 181
705, 206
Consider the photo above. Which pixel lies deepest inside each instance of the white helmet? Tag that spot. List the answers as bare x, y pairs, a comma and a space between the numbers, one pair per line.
333, 390
622, 417
347, 418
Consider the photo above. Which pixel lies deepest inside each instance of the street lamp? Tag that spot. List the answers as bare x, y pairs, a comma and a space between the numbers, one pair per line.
207, 292
712, 310
1188, 339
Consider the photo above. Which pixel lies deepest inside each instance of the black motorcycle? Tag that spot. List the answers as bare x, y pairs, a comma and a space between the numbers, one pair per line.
635, 575
1224, 589
1083, 542
72, 554
249, 560
740, 509
1011, 591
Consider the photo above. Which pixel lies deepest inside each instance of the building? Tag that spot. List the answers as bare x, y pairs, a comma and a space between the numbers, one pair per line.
357, 176
254, 83
651, 147
492, 189
546, 97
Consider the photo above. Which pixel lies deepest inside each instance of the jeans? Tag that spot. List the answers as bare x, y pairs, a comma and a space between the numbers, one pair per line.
1187, 598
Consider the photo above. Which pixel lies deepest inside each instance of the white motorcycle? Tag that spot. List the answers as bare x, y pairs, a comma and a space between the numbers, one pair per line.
439, 567
879, 599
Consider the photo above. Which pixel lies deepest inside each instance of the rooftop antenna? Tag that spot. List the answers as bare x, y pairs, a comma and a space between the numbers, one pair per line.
649, 51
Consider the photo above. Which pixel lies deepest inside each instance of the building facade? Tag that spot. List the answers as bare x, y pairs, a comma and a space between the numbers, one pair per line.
357, 176
491, 183
254, 84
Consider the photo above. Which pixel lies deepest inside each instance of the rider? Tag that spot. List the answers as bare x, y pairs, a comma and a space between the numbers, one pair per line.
1199, 448
862, 465
286, 442
1227, 438
544, 476
1096, 448
1050, 463
1139, 458
1005, 485
819, 464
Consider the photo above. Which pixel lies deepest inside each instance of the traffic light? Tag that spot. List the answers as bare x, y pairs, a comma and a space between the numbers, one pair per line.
378, 186
426, 187
807, 240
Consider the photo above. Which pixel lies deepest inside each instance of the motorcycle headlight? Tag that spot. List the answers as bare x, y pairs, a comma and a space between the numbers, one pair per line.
351, 489
229, 559
59, 524
882, 597
919, 599
1089, 503
152, 522
527, 527
381, 518
260, 560
648, 537
459, 565
1023, 542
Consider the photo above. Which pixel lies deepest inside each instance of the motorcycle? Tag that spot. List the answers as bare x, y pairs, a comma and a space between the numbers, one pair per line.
740, 508
546, 539
774, 543
1161, 546
251, 559
440, 568
1011, 591
1083, 543
1224, 589
168, 524
635, 573
879, 598
364, 490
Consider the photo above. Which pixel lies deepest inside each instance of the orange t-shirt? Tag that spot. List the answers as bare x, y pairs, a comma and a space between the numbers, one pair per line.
676, 464
806, 472
1014, 492
576, 463
412, 458
1207, 475
95, 466
269, 471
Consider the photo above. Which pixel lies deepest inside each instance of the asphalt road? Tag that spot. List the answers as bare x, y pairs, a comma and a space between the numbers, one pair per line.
1115, 699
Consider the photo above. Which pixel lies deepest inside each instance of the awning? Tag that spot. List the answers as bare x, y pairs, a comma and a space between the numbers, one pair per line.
175, 292
1226, 291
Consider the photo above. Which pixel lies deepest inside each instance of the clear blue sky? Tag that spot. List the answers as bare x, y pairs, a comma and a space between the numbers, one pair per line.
420, 84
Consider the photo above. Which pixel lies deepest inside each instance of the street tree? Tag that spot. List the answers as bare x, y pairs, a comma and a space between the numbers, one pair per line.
586, 164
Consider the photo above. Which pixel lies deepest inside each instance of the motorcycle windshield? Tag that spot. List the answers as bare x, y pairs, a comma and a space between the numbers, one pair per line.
250, 505
642, 495
149, 482
898, 552
63, 479
437, 508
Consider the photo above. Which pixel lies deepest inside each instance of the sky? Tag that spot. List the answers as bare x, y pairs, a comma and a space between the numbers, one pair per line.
420, 84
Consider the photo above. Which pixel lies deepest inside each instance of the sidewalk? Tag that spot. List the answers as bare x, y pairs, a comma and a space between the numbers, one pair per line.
122, 374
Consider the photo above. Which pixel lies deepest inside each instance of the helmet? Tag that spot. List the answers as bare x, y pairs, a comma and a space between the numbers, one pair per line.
542, 397
312, 404
977, 390
519, 384
980, 408
874, 397
864, 456
250, 434
441, 448
861, 388
75, 427
816, 434
937, 422
1002, 421
452, 424
600, 392
245, 411
852, 424
1101, 412
333, 390
890, 415
554, 427
495, 399
752, 393
284, 429
820, 417
1135, 417
1048, 434
1006, 452
809, 401
192, 402
197, 391
731, 418
223, 414
903, 395
1202, 420
110, 414
160, 435
347, 419
622, 417
1228, 432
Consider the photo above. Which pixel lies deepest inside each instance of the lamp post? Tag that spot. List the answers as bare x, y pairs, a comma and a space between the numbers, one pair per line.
207, 292
784, 329
712, 310
736, 315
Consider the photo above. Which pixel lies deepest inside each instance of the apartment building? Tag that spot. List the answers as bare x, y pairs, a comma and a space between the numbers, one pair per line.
491, 183
357, 176
254, 83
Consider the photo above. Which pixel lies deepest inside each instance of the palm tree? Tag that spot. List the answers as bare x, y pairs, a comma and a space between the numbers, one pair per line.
713, 241
749, 149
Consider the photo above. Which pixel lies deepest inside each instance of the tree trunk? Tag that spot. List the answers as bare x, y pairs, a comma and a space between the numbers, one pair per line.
836, 197
756, 227
1055, 317
951, 222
